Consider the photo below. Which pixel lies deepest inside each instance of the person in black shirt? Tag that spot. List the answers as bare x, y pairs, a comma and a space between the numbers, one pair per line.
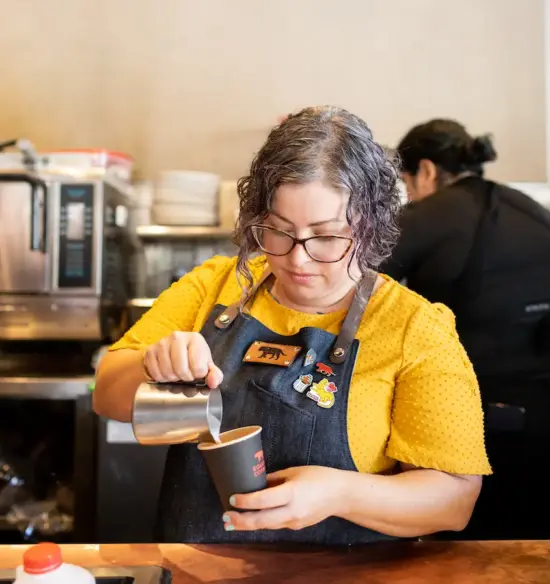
483, 249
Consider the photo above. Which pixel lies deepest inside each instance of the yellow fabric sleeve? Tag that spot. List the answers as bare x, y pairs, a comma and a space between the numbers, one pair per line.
437, 419
177, 308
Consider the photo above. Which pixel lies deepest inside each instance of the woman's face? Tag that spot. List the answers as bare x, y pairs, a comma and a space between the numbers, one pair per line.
307, 210
423, 183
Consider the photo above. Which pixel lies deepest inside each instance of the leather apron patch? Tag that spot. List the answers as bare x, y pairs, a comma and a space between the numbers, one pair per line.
271, 354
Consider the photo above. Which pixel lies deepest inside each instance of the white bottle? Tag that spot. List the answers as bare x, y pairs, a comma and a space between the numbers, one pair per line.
43, 564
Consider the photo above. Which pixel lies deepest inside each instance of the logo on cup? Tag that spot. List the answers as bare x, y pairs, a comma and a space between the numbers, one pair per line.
259, 467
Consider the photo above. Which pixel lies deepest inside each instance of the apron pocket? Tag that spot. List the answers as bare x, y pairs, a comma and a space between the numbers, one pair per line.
287, 432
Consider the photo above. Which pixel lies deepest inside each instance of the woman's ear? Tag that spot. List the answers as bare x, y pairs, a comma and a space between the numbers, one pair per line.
428, 170
426, 178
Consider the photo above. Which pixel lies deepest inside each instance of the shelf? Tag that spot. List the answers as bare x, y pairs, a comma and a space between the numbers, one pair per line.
53, 388
182, 232
141, 302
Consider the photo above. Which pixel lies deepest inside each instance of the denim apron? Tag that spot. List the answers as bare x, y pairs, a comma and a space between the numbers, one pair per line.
296, 431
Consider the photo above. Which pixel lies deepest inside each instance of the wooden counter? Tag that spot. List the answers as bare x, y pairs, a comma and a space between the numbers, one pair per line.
399, 563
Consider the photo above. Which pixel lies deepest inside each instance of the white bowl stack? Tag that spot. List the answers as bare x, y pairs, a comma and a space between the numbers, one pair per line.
143, 202
185, 197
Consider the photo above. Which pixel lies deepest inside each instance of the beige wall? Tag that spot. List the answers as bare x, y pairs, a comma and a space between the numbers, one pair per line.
191, 83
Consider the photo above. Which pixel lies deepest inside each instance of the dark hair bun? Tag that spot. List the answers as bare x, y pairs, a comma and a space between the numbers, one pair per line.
481, 150
448, 145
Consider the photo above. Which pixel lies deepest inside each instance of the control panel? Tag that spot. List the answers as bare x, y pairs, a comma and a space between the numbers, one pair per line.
76, 227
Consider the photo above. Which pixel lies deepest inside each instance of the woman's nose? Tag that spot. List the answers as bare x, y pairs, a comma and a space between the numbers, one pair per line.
298, 256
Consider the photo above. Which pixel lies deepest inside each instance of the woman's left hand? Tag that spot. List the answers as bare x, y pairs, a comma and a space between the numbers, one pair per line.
295, 498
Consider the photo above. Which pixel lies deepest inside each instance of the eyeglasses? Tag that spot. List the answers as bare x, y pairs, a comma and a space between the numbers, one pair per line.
320, 248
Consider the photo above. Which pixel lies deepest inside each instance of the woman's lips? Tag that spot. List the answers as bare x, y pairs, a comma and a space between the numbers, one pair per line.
301, 278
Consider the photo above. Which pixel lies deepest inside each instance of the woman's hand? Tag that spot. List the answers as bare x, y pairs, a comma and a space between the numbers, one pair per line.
295, 498
181, 356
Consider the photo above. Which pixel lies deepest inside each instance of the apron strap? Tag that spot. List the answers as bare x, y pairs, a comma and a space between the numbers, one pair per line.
353, 318
459, 294
350, 325
226, 318
467, 287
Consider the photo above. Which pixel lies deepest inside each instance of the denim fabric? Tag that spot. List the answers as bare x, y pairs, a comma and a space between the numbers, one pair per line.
296, 432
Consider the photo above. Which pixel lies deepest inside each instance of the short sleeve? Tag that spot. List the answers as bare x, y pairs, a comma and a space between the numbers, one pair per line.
437, 418
177, 308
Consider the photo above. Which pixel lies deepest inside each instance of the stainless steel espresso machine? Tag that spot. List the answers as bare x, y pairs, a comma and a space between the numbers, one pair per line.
65, 257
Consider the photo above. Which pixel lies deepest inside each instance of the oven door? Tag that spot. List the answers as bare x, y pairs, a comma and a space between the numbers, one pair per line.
47, 460
24, 261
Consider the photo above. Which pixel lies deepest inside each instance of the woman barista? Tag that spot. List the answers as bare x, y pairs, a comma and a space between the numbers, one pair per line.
483, 249
397, 449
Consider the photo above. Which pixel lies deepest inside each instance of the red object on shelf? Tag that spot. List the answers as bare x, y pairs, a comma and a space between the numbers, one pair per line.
42, 558
99, 151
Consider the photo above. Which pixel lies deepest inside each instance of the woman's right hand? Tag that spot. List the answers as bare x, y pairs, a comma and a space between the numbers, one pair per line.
181, 356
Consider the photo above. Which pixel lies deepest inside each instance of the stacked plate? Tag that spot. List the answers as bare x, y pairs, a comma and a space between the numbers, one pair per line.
187, 198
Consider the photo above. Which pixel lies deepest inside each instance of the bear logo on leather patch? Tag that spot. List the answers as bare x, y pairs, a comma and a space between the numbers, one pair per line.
271, 354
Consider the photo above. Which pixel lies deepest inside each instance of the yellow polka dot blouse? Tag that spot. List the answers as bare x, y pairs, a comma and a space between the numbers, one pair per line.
414, 397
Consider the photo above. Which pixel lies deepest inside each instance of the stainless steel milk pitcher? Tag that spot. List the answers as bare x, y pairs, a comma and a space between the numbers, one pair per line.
173, 413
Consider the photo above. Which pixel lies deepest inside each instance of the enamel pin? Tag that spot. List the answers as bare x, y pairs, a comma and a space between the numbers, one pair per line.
310, 357
324, 369
323, 393
271, 354
302, 383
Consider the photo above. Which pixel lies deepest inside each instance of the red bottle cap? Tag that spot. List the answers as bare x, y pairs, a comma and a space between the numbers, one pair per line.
42, 558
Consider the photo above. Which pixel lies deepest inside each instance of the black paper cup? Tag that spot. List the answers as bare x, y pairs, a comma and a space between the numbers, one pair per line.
236, 464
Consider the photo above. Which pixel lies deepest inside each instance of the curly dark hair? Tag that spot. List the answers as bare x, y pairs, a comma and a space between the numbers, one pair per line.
331, 145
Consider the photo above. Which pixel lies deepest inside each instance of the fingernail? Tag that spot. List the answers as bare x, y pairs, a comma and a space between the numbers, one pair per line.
232, 500
226, 518
229, 527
